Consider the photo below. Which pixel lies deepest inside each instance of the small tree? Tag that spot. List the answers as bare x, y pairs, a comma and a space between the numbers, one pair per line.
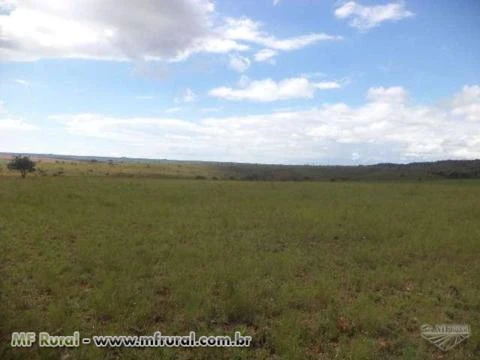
22, 164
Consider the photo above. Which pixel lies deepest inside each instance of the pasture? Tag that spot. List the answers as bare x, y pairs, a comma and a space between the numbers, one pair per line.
310, 270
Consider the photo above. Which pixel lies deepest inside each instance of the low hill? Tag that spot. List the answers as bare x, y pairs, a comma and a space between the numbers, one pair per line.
58, 165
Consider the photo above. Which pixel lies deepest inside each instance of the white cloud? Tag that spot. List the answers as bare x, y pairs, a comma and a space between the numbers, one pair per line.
367, 17
210, 44
187, 97
140, 30
245, 29
239, 63
394, 94
270, 90
385, 128
8, 123
23, 82
276, 2
15, 124
327, 85
467, 103
265, 55
102, 29
297, 42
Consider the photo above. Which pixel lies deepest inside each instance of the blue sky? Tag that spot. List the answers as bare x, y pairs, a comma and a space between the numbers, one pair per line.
304, 81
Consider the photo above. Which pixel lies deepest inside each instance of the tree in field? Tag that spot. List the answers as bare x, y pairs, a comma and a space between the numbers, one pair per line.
22, 164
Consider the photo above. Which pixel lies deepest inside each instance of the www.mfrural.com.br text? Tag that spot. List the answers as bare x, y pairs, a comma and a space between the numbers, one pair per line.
44, 339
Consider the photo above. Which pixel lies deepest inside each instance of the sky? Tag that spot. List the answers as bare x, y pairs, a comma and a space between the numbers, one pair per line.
258, 81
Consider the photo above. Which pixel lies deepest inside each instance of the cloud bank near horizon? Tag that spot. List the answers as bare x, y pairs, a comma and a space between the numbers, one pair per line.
388, 125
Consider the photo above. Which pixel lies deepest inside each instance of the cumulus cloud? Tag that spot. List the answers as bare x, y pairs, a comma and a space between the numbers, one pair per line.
386, 127
129, 30
467, 103
239, 63
102, 29
367, 17
391, 95
270, 90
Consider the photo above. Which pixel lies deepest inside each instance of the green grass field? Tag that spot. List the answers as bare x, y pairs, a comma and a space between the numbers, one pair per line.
310, 270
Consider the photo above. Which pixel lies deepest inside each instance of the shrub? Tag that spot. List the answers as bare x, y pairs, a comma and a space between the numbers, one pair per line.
22, 164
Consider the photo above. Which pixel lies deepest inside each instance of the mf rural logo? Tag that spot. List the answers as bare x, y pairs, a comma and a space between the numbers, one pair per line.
445, 337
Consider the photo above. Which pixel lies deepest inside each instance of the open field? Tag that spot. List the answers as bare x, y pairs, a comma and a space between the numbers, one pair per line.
310, 270
55, 167
58, 165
